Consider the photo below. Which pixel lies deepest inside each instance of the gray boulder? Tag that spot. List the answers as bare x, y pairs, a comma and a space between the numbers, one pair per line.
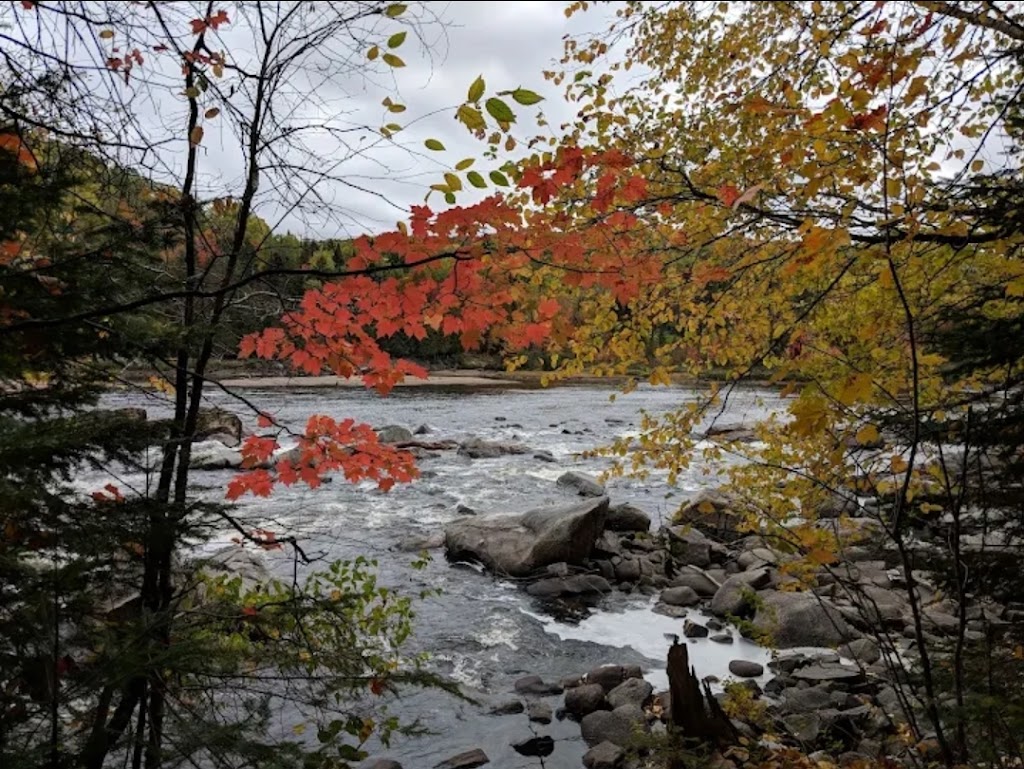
632, 691
693, 629
581, 483
394, 434
578, 584
746, 668
507, 708
478, 448
800, 619
689, 546
680, 596
697, 579
735, 596
585, 699
219, 422
535, 685
626, 517
862, 650
468, 760
605, 755
381, 763
517, 545
714, 513
610, 676
214, 455
539, 712
797, 700
619, 726
729, 433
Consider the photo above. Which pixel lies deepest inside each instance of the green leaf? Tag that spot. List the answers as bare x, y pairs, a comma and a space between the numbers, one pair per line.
476, 180
525, 97
471, 117
462, 165
393, 127
396, 39
449, 198
434, 144
396, 108
499, 110
476, 90
396, 10
454, 182
499, 178
373, 53
392, 60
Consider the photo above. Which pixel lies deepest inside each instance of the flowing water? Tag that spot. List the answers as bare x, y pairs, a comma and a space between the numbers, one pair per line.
483, 632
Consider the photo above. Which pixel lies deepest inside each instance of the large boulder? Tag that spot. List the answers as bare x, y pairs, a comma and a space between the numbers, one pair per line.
800, 619
517, 545
632, 691
581, 483
585, 699
697, 580
689, 546
478, 448
736, 595
626, 517
713, 512
680, 596
394, 434
214, 455
620, 726
606, 755
577, 584
219, 422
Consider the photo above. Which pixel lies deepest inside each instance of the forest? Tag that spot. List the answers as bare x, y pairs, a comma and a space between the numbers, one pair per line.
822, 199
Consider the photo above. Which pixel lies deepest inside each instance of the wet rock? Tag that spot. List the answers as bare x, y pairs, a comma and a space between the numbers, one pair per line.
218, 422
618, 726
862, 650
610, 676
414, 544
535, 746
507, 708
797, 700
517, 545
735, 596
696, 579
214, 455
722, 638
626, 517
585, 699
468, 760
536, 686
544, 456
394, 434
462, 509
757, 557
539, 712
605, 755
628, 570
693, 629
746, 668
714, 513
829, 672
581, 483
689, 546
478, 448
380, 763
799, 619
608, 544
729, 433
680, 596
632, 691
422, 430
578, 584
804, 727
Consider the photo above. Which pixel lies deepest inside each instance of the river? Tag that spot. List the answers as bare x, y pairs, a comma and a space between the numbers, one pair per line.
483, 632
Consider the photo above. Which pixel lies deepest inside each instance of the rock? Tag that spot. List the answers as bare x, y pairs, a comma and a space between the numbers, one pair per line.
804, 727
862, 650
535, 685
238, 561
462, 509
626, 517
535, 746
539, 712
604, 755
799, 619
610, 676
422, 430
218, 422
381, 763
632, 691
214, 455
507, 708
584, 699
608, 544
736, 595
693, 629
722, 638
746, 668
689, 546
579, 584
680, 596
467, 760
627, 570
414, 544
393, 434
618, 726
757, 557
697, 579
544, 456
728, 433
828, 672
581, 483
714, 513
516, 545
797, 700
478, 448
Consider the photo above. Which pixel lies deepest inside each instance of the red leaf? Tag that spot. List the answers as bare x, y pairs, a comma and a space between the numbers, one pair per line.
728, 194
264, 420
250, 611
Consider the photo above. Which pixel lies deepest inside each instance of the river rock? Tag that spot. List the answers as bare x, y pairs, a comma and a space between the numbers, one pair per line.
804, 727
539, 712
799, 619
689, 546
535, 685
713, 512
581, 483
722, 638
544, 456
680, 596
735, 596
478, 448
507, 708
862, 650
517, 545
627, 570
581, 700
221, 423
578, 584
746, 668
618, 726
693, 629
394, 434
756, 558
416, 543
535, 746
605, 755
727, 433
214, 455
381, 763
632, 691
237, 561
697, 579
467, 760
610, 676
797, 700
627, 517
829, 672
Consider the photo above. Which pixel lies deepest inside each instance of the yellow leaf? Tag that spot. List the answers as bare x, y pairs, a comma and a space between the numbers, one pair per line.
867, 435
299, 729
856, 389
898, 464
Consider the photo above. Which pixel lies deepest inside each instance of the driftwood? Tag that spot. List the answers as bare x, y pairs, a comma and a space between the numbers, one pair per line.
697, 718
